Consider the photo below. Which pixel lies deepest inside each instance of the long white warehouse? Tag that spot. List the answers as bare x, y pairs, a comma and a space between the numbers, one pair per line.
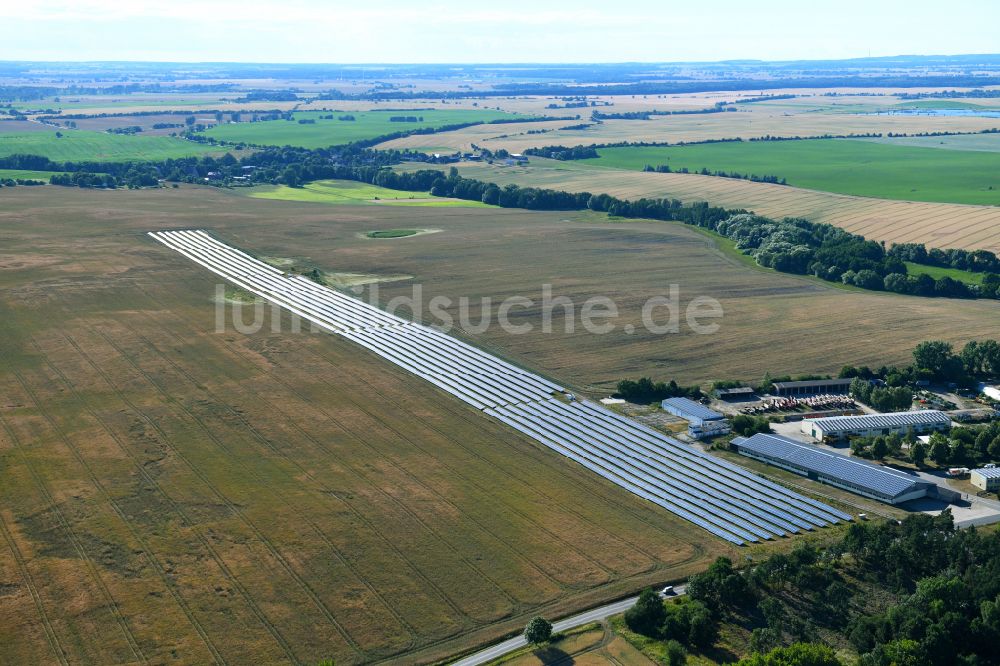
836, 428
718, 496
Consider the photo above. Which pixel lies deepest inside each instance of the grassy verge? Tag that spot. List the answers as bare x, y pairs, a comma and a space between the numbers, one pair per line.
938, 272
27, 175
562, 647
349, 192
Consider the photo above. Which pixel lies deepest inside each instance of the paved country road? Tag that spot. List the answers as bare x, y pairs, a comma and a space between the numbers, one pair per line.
593, 615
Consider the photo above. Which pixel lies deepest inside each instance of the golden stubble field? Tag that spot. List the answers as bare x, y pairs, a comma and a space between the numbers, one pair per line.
809, 116
773, 322
936, 224
169, 494
172, 494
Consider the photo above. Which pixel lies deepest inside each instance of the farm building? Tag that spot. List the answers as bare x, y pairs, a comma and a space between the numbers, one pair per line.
737, 393
987, 478
857, 476
812, 387
992, 392
702, 421
838, 428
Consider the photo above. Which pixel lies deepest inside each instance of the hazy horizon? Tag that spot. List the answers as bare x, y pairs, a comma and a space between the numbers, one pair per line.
449, 32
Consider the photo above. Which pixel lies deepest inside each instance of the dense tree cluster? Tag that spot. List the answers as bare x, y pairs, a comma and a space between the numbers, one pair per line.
645, 390
564, 152
977, 261
945, 582
84, 179
937, 361
950, 611
686, 621
746, 425
269, 96
881, 398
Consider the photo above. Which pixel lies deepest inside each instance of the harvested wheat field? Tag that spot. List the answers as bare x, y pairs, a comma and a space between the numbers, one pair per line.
806, 117
172, 494
936, 224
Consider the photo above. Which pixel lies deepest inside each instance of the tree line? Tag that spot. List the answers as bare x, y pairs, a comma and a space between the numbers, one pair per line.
976, 261
914, 592
665, 168
645, 391
563, 153
790, 245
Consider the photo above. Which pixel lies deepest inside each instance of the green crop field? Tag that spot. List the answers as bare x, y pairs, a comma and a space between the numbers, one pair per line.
938, 272
946, 104
367, 125
355, 193
970, 142
27, 175
844, 166
81, 145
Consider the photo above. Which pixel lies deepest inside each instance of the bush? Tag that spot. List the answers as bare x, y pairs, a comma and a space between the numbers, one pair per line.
648, 614
799, 654
750, 425
676, 654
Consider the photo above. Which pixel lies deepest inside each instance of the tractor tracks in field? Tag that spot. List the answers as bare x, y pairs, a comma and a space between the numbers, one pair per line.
233, 509
480, 424
698, 550
50, 634
264, 441
357, 470
402, 470
64, 522
148, 551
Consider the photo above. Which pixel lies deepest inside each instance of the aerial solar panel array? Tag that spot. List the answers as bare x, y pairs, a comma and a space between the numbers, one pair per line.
718, 496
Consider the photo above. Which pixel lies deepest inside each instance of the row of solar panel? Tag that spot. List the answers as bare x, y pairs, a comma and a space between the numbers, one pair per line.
328, 308
722, 498
458, 368
716, 495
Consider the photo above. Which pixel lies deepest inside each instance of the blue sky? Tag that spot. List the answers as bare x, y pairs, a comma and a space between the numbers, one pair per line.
497, 31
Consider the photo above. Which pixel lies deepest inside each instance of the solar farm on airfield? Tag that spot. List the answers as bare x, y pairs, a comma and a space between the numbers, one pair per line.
718, 496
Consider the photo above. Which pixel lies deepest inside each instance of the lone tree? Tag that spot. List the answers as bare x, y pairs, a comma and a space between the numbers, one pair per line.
538, 631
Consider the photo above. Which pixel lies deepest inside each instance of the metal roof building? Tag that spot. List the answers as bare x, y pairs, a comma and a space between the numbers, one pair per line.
736, 393
870, 425
690, 410
812, 387
702, 421
857, 476
987, 478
